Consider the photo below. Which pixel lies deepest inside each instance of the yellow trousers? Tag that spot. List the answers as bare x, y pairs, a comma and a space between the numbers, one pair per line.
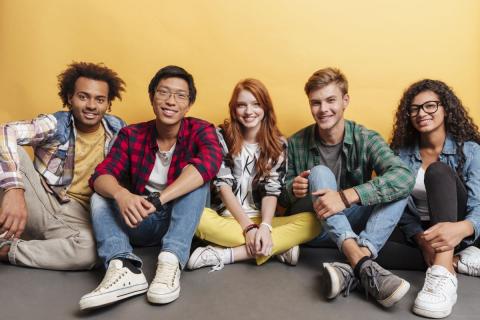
287, 231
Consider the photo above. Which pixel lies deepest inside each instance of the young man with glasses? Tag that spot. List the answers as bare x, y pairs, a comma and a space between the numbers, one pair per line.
50, 198
330, 166
152, 189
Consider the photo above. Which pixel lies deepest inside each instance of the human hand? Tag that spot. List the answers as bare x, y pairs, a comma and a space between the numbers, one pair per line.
263, 241
445, 236
328, 203
13, 215
300, 184
250, 242
428, 252
133, 208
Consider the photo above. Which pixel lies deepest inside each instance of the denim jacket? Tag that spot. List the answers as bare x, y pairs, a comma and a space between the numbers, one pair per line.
52, 138
410, 221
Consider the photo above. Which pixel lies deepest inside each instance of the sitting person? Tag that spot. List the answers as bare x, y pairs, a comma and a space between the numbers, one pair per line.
330, 164
246, 189
49, 199
434, 135
152, 189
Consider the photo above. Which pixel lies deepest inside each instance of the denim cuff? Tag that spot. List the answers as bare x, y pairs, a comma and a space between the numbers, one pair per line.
365, 243
345, 236
470, 240
136, 261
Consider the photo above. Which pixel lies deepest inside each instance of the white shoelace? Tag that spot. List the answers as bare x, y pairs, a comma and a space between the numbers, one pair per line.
434, 283
473, 267
166, 273
216, 255
112, 276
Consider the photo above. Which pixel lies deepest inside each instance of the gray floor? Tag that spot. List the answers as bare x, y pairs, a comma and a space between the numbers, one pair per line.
240, 291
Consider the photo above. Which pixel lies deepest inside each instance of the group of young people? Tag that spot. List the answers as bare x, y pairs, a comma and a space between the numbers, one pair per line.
97, 188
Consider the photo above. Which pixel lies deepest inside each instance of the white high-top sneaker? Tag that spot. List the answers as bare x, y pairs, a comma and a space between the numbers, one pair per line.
120, 282
165, 287
207, 256
438, 295
469, 262
290, 256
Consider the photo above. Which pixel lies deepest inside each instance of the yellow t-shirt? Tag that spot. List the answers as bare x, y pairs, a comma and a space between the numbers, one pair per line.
89, 152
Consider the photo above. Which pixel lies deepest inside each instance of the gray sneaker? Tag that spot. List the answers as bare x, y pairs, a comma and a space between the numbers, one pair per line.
337, 278
381, 284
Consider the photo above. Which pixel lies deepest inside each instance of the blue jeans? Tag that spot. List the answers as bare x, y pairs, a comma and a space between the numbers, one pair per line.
172, 228
377, 221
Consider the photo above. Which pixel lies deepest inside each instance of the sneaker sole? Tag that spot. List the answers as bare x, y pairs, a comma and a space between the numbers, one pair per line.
163, 298
112, 297
330, 282
295, 255
435, 314
438, 314
396, 296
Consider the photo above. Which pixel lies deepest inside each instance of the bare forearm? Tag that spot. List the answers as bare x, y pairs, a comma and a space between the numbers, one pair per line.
189, 180
352, 196
108, 186
269, 204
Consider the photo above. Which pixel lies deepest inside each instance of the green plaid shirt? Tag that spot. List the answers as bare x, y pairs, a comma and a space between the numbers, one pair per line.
363, 152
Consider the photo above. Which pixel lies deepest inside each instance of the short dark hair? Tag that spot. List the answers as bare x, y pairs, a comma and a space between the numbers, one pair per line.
324, 77
95, 71
173, 72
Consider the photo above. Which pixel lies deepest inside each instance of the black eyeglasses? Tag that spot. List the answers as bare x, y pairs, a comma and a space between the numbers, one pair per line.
429, 107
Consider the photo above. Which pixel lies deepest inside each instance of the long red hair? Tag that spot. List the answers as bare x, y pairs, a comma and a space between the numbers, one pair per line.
268, 136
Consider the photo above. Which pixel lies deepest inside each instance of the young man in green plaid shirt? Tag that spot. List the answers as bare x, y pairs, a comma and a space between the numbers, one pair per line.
330, 166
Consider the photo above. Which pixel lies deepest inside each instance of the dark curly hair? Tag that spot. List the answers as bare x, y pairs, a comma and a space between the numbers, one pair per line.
67, 79
458, 123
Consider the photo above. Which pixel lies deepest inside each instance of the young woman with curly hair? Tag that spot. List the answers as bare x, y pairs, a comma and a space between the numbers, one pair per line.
435, 136
247, 187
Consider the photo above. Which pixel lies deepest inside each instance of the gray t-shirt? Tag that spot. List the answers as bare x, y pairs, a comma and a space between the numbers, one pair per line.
331, 157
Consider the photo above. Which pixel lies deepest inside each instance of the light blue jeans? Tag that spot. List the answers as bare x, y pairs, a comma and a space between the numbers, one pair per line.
172, 228
377, 221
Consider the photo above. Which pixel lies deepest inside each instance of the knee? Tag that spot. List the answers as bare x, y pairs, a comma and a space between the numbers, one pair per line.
438, 171
322, 177
99, 204
84, 253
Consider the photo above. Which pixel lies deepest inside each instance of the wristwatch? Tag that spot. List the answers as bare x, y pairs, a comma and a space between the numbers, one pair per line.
154, 198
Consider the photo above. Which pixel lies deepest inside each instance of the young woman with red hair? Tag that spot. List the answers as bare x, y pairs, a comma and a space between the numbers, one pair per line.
242, 223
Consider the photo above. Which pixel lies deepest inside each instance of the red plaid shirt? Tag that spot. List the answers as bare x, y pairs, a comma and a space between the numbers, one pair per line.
132, 157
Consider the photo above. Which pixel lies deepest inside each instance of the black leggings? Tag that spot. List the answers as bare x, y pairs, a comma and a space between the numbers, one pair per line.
446, 194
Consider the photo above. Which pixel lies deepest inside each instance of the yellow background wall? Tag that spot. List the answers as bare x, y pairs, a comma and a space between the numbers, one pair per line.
382, 47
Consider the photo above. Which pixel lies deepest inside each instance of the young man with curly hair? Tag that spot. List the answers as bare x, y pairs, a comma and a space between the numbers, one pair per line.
45, 207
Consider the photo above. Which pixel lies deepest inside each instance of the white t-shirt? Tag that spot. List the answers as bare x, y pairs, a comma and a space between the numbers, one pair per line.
244, 172
157, 181
418, 202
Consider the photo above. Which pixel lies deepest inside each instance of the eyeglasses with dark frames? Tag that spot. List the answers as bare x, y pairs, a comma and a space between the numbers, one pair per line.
429, 107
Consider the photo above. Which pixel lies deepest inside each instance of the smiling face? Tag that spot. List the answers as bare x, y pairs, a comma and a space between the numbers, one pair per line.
327, 106
424, 122
89, 103
249, 112
169, 103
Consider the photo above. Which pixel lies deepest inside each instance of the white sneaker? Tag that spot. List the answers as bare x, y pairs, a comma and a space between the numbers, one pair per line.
165, 287
469, 262
290, 256
119, 283
206, 256
438, 295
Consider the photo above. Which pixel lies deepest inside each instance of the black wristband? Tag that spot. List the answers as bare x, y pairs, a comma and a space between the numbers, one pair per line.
154, 198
